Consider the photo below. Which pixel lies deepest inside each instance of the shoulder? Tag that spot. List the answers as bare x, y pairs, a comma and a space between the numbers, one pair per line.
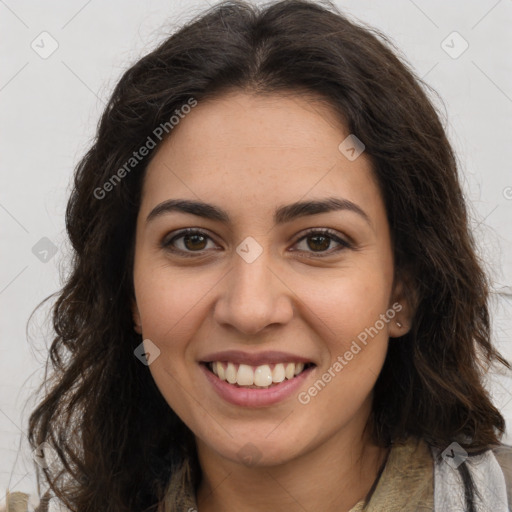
491, 471
503, 454
51, 503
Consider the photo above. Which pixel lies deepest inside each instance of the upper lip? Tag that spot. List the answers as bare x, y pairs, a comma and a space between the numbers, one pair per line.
254, 359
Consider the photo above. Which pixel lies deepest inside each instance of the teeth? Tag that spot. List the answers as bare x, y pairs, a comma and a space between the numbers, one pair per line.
245, 375
219, 370
261, 376
231, 373
278, 375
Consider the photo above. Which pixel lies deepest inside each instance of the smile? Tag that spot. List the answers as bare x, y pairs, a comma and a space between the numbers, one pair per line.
252, 395
254, 377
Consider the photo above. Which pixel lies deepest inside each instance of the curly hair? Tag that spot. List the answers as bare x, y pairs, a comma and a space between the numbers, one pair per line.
116, 438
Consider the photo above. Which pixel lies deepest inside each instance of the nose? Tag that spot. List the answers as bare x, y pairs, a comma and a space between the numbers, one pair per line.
253, 296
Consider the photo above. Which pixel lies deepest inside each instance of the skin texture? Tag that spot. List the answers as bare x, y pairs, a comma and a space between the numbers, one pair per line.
249, 155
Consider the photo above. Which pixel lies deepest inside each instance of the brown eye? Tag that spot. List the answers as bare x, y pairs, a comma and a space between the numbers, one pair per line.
194, 242
187, 241
318, 241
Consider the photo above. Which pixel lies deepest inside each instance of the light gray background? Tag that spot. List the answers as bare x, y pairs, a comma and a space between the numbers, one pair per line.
50, 108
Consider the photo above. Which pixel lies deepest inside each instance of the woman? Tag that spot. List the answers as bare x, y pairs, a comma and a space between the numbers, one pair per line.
275, 302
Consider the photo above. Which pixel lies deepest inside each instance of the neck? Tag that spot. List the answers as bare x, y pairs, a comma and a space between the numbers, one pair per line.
332, 477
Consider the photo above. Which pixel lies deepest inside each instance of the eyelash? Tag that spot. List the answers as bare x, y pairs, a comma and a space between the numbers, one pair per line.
329, 233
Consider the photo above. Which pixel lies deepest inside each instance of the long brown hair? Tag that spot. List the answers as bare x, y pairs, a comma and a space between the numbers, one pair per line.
116, 437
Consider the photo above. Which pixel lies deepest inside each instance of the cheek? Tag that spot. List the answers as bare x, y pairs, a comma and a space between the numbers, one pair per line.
169, 302
345, 312
347, 316
346, 302
169, 306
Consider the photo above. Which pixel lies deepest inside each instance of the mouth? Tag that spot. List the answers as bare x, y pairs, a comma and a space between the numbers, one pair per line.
256, 377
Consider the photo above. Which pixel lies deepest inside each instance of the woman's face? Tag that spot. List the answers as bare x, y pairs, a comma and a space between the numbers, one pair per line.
257, 283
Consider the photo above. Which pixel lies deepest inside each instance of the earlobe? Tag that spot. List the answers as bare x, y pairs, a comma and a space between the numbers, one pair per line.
137, 326
403, 303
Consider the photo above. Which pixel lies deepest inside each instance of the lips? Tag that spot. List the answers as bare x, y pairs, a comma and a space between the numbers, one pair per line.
263, 397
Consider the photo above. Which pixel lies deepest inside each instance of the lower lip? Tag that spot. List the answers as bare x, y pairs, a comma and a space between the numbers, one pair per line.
248, 397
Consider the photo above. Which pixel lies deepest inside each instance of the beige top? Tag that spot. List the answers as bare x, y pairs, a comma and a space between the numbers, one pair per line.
406, 482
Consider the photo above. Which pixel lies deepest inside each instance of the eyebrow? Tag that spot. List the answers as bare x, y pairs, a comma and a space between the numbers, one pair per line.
282, 214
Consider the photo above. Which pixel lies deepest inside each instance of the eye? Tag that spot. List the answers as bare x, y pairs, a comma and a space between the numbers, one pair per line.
321, 239
195, 241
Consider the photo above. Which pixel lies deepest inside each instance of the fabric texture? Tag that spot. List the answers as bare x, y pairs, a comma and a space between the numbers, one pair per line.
503, 455
489, 480
406, 483
414, 478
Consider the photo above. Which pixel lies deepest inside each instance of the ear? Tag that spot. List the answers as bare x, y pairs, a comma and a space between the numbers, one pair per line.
403, 302
136, 317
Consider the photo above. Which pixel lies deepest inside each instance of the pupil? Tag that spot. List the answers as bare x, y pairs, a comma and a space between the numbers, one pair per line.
189, 237
317, 237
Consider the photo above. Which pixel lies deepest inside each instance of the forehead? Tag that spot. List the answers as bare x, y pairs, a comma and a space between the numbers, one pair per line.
253, 152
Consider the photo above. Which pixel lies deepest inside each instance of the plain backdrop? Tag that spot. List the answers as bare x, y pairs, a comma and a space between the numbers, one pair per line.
60, 61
